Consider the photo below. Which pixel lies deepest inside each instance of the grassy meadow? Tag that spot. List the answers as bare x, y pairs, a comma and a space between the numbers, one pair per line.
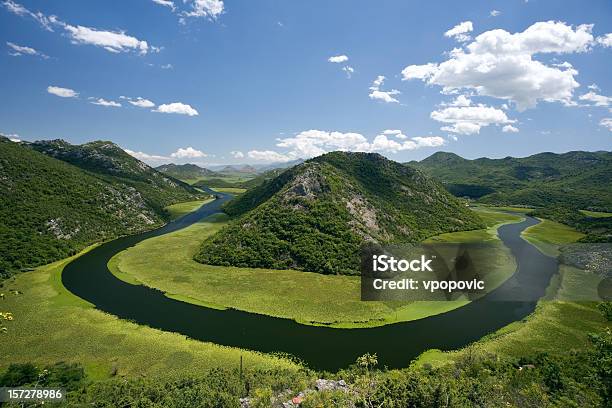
561, 320
166, 263
180, 209
50, 324
548, 235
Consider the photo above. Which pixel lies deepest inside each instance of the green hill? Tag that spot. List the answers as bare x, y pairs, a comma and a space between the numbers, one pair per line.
575, 179
185, 171
315, 216
51, 209
109, 162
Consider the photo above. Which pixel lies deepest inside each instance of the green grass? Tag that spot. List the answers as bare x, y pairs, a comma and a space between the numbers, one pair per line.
524, 210
180, 209
555, 325
231, 190
562, 320
596, 214
547, 235
50, 325
166, 263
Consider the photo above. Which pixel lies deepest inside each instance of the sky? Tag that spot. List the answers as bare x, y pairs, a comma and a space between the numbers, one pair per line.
237, 81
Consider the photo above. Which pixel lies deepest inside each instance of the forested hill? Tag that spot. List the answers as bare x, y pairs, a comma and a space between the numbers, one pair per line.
315, 216
50, 209
575, 179
108, 161
185, 171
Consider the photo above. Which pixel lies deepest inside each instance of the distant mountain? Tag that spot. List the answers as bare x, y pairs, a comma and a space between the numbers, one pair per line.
51, 209
107, 160
185, 171
575, 179
243, 168
280, 165
315, 216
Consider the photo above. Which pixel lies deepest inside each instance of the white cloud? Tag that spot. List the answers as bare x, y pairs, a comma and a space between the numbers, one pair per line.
19, 10
593, 87
62, 92
268, 156
166, 66
313, 142
607, 123
395, 132
140, 102
178, 108
419, 71
349, 70
211, 9
338, 59
494, 13
605, 40
460, 100
23, 50
469, 120
237, 154
385, 96
148, 158
166, 3
509, 129
500, 65
597, 100
104, 102
188, 153
459, 32
113, 41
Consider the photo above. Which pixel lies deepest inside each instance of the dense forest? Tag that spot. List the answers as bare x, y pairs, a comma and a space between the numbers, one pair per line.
315, 216
51, 209
579, 180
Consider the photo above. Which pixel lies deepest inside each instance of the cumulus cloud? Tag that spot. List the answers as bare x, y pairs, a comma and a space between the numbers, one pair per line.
459, 32
310, 143
596, 99
211, 9
269, 156
385, 96
501, 65
494, 13
419, 71
605, 40
62, 92
18, 50
178, 108
606, 123
338, 59
509, 129
113, 41
237, 154
188, 153
469, 120
104, 102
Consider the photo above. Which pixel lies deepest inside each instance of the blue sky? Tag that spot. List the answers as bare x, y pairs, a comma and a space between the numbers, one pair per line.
262, 81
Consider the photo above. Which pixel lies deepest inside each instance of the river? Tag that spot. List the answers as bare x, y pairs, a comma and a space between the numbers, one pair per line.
321, 348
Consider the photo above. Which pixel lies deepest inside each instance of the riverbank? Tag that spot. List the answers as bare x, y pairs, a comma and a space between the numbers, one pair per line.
166, 263
51, 324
